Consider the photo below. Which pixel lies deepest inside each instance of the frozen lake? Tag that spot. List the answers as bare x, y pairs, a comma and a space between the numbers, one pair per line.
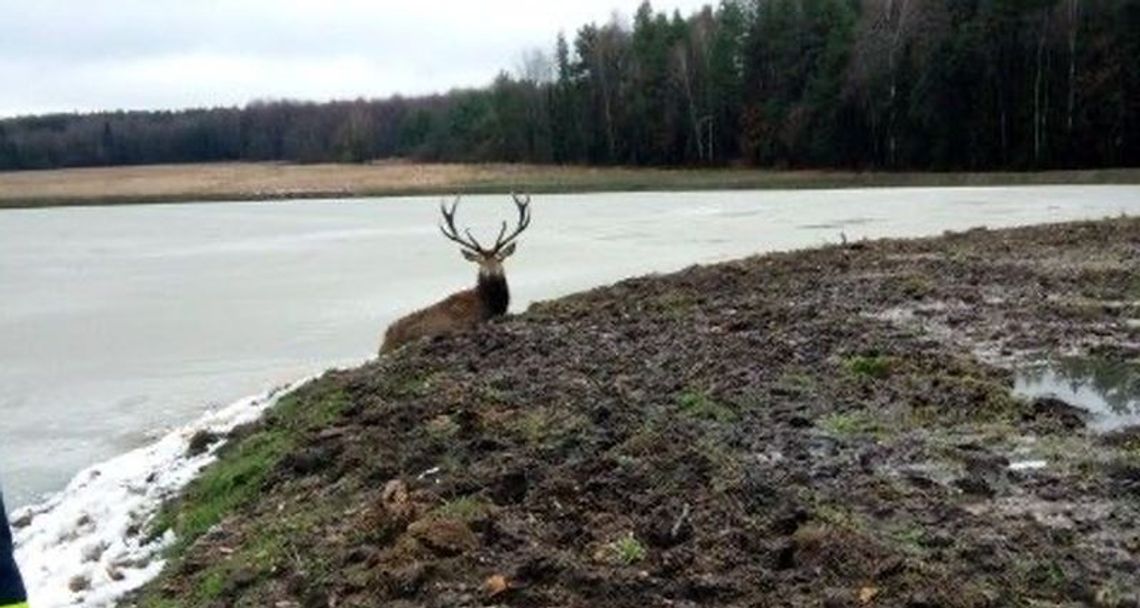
120, 322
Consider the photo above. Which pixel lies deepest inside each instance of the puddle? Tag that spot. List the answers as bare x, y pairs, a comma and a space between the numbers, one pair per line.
1107, 390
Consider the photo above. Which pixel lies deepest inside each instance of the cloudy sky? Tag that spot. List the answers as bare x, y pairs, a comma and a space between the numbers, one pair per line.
63, 55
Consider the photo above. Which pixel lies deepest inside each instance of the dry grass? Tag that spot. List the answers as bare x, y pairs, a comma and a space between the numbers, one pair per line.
255, 181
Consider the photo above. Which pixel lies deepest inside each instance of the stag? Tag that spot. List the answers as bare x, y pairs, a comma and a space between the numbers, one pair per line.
468, 308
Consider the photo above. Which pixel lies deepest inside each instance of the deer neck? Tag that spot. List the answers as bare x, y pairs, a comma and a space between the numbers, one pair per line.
493, 292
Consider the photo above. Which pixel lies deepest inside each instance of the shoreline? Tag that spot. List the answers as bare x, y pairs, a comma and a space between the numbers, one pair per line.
843, 415
86, 544
233, 182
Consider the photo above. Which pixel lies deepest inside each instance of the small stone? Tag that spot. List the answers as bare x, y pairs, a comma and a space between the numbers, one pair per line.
395, 494
200, 442
22, 521
331, 433
79, 583
243, 577
975, 486
407, 580
445, 537
495, 585
137, 563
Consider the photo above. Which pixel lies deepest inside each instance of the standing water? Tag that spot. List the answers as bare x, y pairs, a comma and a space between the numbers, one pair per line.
1108, 390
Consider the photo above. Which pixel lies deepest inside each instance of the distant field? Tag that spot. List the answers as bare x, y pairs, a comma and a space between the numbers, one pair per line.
260, 181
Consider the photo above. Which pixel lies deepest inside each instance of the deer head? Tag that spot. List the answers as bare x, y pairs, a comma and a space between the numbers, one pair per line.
490, 260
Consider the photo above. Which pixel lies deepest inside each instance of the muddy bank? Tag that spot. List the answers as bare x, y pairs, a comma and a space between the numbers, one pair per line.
832, 427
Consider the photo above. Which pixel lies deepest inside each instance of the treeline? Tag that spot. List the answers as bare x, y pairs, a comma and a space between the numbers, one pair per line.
894, 84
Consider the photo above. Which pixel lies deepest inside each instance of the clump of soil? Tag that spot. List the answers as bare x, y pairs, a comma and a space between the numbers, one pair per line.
829, 427
201, 441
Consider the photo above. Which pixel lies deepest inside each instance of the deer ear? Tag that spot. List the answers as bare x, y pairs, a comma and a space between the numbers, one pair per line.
470, 256
507, 251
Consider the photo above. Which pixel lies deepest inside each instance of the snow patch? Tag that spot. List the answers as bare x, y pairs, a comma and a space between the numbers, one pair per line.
87, 545
1027, 465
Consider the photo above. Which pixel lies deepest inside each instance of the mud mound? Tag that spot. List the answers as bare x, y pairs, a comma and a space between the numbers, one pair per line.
830, 427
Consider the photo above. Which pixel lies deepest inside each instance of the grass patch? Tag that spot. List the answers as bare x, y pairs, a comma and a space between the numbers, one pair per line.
237, 477
544, 425
467, 509
916, 286
794, 383
625, 551
699, 404
726, 469
1130, 451
411, 385
1042, 575
838, 516
442, 427
872, 366
909, 538
264, 548
676, 305
849, 424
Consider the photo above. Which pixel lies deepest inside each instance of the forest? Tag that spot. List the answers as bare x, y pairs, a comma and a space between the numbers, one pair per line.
865, 84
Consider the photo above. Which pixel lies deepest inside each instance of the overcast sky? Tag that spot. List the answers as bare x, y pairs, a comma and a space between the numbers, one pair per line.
63, 55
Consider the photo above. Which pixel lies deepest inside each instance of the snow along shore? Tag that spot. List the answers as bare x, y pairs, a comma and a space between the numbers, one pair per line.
87, 545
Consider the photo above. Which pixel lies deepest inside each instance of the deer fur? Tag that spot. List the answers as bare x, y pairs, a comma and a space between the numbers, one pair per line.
464, 310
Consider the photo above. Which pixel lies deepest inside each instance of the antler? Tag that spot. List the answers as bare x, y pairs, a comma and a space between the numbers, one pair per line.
523, 205
448, 228
452, 233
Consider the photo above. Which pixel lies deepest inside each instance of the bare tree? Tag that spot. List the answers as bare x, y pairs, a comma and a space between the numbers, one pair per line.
1039, 116
1073, 10
605, 57
885, 30
690, 66
535, 66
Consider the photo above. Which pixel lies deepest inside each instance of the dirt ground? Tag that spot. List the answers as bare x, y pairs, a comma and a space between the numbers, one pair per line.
832, 427
273, 181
